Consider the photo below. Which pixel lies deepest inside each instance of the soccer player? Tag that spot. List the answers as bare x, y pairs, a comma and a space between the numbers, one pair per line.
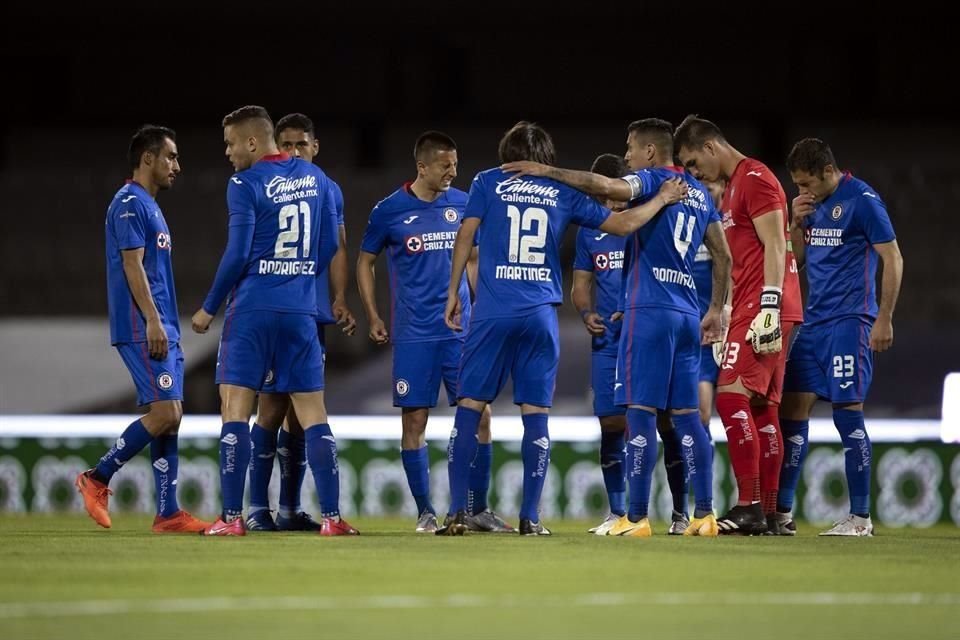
145, 330
599, 261
765, 279
296, 137
659, 353
519, 222
282, 234
840, 228
416, 225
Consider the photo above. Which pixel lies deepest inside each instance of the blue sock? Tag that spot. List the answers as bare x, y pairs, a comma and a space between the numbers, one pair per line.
697, 460
461, 451
857, 455
706, 428
416, 464
264, 450
535, 451
641, 458
165, 459
322, 458
479, 483
292, 454
131, 442
612, 455
676, 474
234, 461
796, 443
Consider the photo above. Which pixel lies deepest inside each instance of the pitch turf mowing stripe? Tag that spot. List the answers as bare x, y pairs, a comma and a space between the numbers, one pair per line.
306, 603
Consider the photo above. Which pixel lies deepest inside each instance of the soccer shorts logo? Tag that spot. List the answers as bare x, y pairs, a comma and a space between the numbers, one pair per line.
403, 387
269, 378
165, 381
837, 212
163, 240
414, 244
601, 261
451, 215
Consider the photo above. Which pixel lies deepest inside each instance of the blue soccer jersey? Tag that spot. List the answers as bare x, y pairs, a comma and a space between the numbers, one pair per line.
289, 202
418, 237
324, 309
134, 221
522, 221
602, 254
660, 255
840, 258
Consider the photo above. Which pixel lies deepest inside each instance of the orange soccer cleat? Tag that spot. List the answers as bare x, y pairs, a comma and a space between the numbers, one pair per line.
180, 522
96, 496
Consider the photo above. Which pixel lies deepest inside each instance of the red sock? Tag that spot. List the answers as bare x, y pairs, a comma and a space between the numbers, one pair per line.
742, 444
767, 419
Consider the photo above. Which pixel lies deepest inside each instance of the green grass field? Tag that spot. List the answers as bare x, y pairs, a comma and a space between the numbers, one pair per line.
62, 577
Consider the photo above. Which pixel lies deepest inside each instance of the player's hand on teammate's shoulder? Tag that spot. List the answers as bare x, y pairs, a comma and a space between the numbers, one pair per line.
157, 342
345, 319
201, 321
594, 323
378, 332
673, 190
881, 335
525, 168
452, 314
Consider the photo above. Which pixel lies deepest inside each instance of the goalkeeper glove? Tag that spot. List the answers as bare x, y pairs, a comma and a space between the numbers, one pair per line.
764, 334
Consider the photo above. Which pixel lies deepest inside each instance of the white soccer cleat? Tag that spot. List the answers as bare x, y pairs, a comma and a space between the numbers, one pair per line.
605, 526
852, 526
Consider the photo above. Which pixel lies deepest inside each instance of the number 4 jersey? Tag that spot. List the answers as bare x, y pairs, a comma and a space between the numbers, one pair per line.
290, 202
522, 221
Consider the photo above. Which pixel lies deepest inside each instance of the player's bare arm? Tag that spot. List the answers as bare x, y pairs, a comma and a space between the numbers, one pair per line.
140, 288
628, 221
462, 249
339, 276
582, 297
765, 333
366, 283
586, 181
472, 271
712, 327
881, 336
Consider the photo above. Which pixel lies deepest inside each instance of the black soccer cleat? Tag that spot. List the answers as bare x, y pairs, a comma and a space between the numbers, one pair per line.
743, 521
453, 526
773, 526
530, 528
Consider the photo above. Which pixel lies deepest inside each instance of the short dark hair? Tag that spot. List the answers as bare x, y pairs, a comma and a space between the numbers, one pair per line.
249, 112
657, 131
811, 155
694, 132
295, 121
609, 165
527, 141
430, 141
150, 138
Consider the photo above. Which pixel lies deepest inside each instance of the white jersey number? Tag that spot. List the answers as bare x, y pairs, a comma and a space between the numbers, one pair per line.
529, 248
289, 237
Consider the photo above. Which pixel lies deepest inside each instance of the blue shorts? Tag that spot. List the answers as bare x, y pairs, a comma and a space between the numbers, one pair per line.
277, 352
603, 375
832, 360
527, 349
659, 359
155, 379
420, 367
708, 366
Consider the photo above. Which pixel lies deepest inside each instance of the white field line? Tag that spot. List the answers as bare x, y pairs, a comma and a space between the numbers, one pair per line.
61, 609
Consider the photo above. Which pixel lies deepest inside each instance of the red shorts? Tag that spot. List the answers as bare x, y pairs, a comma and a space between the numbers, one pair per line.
762, 374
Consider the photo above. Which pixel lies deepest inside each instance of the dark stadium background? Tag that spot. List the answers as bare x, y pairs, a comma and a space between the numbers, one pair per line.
77, 86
